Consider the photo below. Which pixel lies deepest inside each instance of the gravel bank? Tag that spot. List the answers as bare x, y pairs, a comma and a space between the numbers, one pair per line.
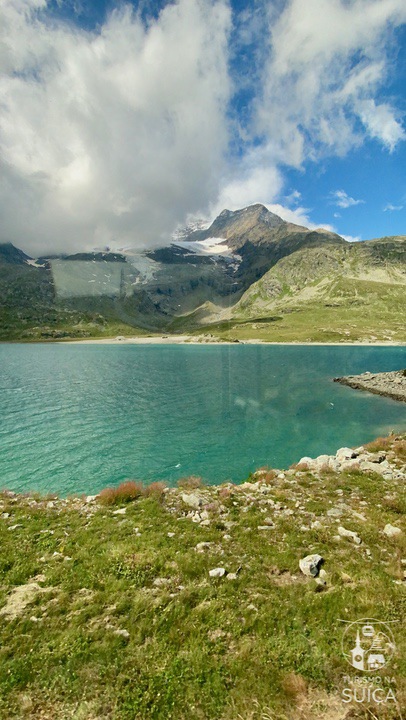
389, 384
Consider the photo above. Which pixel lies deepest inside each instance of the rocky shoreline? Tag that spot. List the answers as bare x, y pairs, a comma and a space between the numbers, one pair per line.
388, 384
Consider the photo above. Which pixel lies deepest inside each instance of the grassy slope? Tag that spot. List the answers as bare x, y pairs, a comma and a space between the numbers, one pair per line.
265, 646
331, 295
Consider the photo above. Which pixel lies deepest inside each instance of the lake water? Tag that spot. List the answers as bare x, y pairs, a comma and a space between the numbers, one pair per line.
75, 418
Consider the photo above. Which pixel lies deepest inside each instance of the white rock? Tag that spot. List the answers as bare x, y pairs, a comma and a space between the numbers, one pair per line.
217, 572
193, 500
171, 534
392, 530
124, 633
335, 512
343, 532
322, 460
310, 565
161, 581
203, 546
345, 453
120, 511
232, 576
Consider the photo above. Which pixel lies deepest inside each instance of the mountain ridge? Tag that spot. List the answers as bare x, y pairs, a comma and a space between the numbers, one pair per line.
246, 264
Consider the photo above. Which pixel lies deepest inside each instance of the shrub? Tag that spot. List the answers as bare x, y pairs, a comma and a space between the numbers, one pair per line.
125, 492
190, 483
155, 490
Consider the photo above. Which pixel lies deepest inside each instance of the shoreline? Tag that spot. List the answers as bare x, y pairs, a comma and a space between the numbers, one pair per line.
200, 340
387, 384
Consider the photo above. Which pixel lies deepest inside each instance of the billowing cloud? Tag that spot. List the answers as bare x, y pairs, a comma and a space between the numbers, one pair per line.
327, 60
342, 200
113, 134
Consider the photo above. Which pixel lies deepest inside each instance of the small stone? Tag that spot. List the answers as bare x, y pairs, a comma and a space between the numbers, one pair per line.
203, 546
343, 532
346, 578
123, 633
264, 527
359, 516
392, 531
232, 576
335, 512
5, 515
171, 534
217, 572
161, 582
14, 527
90, 498
120, 511
316, 525
310, 565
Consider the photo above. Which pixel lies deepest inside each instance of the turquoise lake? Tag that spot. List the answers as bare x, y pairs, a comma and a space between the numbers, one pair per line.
75, 418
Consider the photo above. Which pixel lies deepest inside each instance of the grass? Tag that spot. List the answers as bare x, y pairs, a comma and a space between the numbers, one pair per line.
128, 625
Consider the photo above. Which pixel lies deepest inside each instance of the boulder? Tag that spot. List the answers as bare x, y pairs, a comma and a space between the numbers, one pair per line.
217, 572
310, 565
392, 531
193, 500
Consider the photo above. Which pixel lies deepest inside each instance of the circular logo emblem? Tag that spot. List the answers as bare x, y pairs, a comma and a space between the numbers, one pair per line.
368, 644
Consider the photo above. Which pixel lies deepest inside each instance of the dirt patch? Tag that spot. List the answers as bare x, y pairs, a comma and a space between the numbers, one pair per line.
20, 597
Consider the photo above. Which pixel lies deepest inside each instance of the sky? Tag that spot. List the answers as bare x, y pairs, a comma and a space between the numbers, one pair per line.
121, 121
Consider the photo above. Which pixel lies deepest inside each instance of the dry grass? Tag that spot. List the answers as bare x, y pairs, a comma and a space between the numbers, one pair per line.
295, 686
155, 490
381, 443
125, 492
190, 483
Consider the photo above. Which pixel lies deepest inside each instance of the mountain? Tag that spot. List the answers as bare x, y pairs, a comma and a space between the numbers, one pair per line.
245, 269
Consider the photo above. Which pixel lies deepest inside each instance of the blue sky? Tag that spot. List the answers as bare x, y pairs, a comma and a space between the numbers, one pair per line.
120, 121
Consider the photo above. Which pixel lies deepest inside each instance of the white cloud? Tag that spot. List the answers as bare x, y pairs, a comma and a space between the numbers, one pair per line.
116, 133
352, 238
342, 200
391, 208
120, 133
381, 123
252, 184
327, 61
